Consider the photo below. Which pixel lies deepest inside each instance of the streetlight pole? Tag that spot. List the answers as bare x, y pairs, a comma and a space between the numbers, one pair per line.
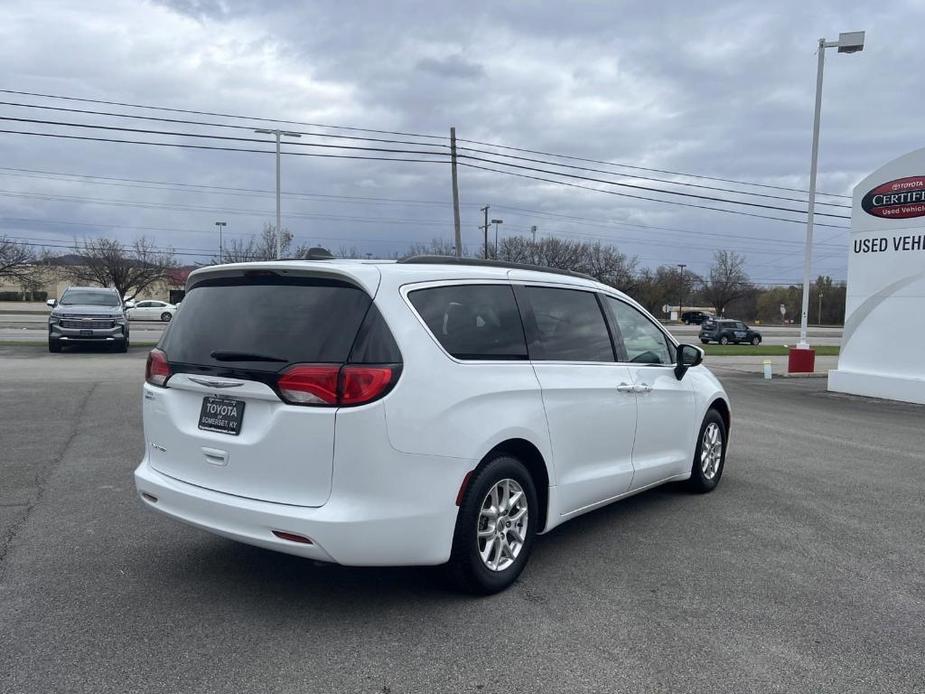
279, 228
221, 252
850, 42
497, 223
819, 314
681, 297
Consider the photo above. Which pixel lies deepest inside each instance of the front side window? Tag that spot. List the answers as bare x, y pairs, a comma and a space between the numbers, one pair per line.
567, 326
643, 341
474, 321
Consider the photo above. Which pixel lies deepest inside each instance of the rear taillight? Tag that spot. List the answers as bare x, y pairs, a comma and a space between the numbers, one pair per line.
361, 384
157, 370
335, 385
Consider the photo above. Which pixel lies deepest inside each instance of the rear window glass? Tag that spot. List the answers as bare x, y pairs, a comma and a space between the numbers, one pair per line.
569, 326
266, 322
478, 321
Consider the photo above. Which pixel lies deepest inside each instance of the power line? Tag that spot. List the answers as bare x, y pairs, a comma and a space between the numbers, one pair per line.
652, 170
639, 197
173, 133
198, 187
652, 190
220, 115
646, 178
182, 145
213, 124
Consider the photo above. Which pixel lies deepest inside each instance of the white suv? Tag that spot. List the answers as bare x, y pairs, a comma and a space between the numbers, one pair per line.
426, 411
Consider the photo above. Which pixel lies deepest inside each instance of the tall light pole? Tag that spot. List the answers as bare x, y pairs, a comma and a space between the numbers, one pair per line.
819, 314
681, 297
497, 223
221, 252
279, 225
848, 42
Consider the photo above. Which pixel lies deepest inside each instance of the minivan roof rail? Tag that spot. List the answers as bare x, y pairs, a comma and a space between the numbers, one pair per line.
484, 262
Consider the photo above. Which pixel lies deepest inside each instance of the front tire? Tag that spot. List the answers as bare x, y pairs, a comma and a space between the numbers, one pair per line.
756, 340
724, 340
710, 454
54, 346
495, 527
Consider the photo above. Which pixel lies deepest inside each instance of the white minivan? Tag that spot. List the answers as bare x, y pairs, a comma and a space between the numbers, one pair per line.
427, 411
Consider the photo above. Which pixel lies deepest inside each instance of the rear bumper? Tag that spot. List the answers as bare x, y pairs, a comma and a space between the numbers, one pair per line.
349, 530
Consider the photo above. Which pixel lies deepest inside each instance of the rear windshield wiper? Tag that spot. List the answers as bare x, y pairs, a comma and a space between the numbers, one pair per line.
244, 356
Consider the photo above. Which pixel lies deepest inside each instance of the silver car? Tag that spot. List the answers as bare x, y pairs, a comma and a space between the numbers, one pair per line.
87, 315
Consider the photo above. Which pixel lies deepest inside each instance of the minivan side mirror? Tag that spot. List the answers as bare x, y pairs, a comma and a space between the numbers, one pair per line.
52, 302
688, 356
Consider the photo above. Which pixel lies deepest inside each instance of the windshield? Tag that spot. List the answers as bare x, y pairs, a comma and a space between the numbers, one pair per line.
89, 298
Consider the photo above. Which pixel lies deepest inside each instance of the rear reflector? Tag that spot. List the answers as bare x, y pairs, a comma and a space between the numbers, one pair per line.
157, 370
149, 497
292, 537
335, 384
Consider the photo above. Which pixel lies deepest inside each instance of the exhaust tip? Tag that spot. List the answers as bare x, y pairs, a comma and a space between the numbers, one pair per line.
292, 537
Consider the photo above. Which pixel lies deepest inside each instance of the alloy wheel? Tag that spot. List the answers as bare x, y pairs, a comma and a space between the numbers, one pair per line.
711, 451
502, 525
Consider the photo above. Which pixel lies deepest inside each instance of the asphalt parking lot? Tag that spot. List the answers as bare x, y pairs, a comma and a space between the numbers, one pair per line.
803, 572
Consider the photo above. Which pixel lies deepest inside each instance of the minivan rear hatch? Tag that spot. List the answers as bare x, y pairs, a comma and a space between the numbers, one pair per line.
226, 419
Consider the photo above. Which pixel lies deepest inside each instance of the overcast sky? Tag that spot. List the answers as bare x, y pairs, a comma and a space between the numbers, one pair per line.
721, 89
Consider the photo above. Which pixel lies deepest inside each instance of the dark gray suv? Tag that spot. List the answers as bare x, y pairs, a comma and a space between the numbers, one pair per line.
86, 315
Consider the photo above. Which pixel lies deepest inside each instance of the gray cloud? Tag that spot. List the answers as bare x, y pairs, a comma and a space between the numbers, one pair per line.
718, 88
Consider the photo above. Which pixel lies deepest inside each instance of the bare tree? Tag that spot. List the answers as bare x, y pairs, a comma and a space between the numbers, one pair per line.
261, 247
129, 270
727, 280
435, 247
17, 261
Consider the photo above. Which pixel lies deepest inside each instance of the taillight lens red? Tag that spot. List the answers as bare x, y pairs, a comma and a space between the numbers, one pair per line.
364, 383
333, 384
157, 370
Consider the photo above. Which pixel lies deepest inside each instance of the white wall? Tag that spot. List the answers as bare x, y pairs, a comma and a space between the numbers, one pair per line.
882, 351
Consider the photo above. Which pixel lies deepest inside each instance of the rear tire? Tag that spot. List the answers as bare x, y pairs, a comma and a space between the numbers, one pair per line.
709, 454
54, 345
756, 340
166, 316
495, 528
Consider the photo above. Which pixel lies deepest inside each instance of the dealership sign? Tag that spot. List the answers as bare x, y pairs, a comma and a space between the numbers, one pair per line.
886, 285
899, 199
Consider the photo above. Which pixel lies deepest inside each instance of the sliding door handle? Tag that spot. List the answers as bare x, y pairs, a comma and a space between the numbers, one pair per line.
626, 388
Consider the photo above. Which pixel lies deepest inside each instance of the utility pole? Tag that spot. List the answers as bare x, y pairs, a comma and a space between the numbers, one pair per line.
533, 231
456, 226
819, 314
279, 224
221, 252
497, 223
681, 297
484, 228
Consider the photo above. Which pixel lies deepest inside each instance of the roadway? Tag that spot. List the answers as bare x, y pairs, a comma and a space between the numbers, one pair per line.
23, 327
802, 573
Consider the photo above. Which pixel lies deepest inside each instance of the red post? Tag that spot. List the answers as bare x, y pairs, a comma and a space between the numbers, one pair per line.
801, 361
